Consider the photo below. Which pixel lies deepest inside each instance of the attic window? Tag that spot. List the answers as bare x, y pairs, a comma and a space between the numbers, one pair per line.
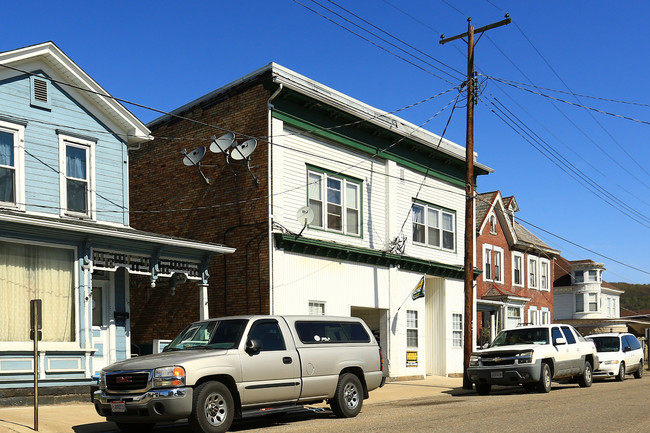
493, 225
40, 95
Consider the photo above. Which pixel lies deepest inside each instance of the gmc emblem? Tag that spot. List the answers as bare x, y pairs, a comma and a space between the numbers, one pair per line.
123, 379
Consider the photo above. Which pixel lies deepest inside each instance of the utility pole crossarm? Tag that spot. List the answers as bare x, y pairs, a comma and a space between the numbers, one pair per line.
508, 20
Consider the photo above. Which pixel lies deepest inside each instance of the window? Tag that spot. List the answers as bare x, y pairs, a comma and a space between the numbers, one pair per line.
12, 176
434, 227
532, 273
579, 276
493, 225
487, 271
556, 333
411, 328
33, 272
532, 316
580, 302
317, 332
77, 172
497, 266
268, 334
544, 275
336, 202
568, 335
593, 302
457, 330
546, 316
316, 308
517, 269
593, 276
493, 261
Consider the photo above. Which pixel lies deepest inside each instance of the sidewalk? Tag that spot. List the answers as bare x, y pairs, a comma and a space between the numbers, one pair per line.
82, 418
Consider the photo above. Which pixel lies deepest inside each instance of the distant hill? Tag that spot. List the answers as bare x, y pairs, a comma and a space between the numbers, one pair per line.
636, 296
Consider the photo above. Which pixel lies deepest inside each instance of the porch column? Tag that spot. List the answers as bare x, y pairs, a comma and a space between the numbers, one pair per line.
203, 299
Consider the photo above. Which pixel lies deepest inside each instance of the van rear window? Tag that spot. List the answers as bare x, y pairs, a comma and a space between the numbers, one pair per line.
331, 332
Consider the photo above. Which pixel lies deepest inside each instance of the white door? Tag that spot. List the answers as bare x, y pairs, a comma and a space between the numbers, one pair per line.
103, 324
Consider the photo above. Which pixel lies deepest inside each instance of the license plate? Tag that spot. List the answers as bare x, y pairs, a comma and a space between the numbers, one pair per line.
496, 374
118, 407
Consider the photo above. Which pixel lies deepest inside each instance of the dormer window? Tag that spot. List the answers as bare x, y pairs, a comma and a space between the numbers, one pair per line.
579, 276
593, 276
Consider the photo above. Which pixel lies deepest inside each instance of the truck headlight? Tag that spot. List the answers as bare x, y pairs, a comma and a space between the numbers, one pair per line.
166, 377
102, 380
525, 357
474, 360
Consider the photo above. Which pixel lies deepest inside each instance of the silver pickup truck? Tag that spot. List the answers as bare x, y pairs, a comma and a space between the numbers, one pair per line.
229, 368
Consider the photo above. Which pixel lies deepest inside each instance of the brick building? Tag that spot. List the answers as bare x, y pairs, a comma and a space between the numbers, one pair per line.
516, 283
341, 209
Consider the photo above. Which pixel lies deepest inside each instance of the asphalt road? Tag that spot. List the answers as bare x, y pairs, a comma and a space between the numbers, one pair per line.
605, 407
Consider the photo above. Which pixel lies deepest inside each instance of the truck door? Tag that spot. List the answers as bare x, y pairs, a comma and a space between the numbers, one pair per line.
271, 372
562, 362
572, 350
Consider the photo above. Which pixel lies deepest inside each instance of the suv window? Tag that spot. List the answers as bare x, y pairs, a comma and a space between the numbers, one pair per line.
606, 344
268, 334
631, 341
331, 332
568, 335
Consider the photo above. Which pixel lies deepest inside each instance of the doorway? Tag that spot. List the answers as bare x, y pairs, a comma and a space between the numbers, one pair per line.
103, 326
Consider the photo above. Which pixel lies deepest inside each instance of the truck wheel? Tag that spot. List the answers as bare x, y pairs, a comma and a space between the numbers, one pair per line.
544, 384
131, 427
621, 372
585, 380
348, 397
483, 388
638, 374
213, 408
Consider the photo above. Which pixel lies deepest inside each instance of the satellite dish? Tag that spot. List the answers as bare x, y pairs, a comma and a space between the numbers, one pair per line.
194, 157
221, 144
244, 150
305, 215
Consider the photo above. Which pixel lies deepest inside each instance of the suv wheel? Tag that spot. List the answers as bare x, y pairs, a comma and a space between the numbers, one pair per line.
621, 372
544, 384
638, 374
586, 379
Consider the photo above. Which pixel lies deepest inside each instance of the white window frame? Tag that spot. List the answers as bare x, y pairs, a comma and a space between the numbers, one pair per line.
317, 305
575, 276
581, 297
89, 146
493, 224
590, 296
441, 213
522, 274
412, 332
589, 273
533, 315
456, 330
545, 316
487, 263
345, 208
534, 283
18, 132
544, 275
493, 271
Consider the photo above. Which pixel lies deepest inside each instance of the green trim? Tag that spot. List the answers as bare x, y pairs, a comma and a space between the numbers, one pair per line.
318, 131
302, 245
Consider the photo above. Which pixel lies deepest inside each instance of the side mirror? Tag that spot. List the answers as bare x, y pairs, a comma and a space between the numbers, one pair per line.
627, 349
485, 346
253, 347
560, 341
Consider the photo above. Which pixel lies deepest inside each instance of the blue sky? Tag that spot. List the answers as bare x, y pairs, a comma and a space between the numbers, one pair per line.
163, 54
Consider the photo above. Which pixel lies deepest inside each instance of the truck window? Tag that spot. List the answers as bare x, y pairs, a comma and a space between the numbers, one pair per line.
568, 335
314, 332
268, 334
556, 334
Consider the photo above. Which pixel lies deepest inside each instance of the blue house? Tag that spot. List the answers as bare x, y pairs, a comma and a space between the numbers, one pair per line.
64, 223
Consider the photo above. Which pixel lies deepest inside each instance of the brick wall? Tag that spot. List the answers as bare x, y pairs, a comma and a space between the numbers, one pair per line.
170, 198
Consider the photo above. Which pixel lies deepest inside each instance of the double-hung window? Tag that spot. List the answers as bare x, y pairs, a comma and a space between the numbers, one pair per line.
493, 262
77, 176
433, 226
335, 201
532, 272
12, 176
544, 276
411, 328
457, 330
517, 269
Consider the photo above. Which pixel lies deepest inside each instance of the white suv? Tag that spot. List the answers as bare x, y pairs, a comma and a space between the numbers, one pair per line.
619, 354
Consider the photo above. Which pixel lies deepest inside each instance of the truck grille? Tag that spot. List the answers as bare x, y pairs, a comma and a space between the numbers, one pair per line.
506, 358
128, 381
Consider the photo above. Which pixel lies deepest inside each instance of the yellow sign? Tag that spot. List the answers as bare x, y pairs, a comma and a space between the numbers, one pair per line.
411, 359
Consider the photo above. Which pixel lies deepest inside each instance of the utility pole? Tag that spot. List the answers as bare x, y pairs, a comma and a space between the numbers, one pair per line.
470, 187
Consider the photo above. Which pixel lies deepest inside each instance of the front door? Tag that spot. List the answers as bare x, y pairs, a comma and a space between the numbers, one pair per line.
103, 324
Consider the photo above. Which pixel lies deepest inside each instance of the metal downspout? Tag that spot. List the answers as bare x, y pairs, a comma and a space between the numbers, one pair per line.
270, 191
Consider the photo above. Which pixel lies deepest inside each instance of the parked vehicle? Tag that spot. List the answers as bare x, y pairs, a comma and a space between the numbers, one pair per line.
532, 356
619, 354
223, 369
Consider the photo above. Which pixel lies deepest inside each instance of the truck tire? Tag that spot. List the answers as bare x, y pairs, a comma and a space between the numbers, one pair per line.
544, 384
638, 374
621, 372
348, 398
483, 388
132, 427
213, 408
586, 379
